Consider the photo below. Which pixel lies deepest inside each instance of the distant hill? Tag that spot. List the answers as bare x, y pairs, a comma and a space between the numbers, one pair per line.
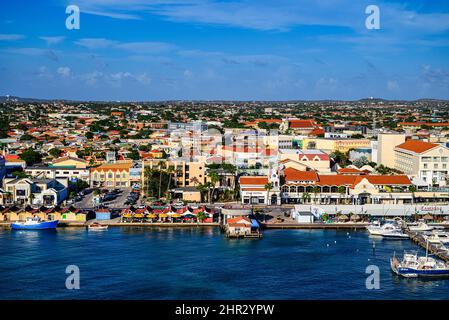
363, 100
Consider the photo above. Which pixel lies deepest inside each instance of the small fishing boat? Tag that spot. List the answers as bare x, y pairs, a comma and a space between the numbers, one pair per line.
420, 227
34, 224
413, 266
97, 227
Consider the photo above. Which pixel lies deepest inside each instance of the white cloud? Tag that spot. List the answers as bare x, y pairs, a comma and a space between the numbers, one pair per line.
52, 40
392, 85
11, 37
95, 43
137, 47
64, 71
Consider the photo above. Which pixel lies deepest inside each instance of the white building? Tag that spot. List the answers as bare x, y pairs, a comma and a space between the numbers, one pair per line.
429, 162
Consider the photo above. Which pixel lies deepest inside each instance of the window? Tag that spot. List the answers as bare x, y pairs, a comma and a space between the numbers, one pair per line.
110, 175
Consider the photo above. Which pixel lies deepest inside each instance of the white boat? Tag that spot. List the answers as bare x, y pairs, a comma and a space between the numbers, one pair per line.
97, 226
379, 230
438, 237
420, 227
395, 234
413, 266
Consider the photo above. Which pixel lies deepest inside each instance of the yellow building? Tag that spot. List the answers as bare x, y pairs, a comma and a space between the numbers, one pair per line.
185, 173
385, 147
335, 144
111, 175
70, 162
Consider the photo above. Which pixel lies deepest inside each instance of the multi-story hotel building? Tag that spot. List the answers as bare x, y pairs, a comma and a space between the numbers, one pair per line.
111, 175
429, 162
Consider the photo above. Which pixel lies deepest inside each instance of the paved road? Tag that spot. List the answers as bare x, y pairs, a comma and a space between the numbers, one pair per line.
118, 202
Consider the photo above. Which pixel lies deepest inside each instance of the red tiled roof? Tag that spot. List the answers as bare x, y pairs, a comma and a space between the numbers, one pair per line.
238, 220
253, 180
292, 174
384, 180
417, 146
317, 132
336, 180
350, 170
301, 124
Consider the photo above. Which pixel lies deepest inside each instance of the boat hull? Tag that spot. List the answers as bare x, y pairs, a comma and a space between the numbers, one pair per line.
415, 273
38, 226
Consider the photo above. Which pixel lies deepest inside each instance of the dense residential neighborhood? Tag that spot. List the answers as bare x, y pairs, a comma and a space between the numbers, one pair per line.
95, 155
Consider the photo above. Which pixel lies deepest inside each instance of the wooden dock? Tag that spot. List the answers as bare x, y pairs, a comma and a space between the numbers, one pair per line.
433, 248
352, 226
252, 235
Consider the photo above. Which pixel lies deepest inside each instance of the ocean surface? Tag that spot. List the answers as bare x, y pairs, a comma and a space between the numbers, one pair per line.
200, 263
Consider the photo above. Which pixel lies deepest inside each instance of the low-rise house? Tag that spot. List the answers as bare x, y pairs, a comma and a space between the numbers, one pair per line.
252, 189
102, 214
48, 192
67, 167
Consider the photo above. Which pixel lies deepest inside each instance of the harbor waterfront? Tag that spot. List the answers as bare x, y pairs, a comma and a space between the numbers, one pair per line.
200, 263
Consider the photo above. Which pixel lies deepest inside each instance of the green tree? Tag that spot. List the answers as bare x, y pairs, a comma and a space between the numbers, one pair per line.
55, 152
268, 187
305, 197
201, 216
341, 190
214, 178
31, 157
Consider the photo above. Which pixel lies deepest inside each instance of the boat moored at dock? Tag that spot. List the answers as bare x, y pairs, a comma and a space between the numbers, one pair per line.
413, 266
379, 230
437, 237
420, 227
34, 224
95, 226
395, 234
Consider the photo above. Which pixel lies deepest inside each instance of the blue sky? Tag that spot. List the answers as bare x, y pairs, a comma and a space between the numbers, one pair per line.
211, 49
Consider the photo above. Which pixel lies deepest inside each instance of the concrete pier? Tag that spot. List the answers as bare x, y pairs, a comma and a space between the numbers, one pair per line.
433, 249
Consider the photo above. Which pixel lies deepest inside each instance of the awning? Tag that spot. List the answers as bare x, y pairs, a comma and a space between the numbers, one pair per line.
254, 223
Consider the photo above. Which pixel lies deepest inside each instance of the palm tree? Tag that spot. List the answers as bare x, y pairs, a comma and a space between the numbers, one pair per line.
214, 178
195, 181
268, 188
161, 163
341, 190
412, 189
170, 171
201, 216
305, 197
315, 191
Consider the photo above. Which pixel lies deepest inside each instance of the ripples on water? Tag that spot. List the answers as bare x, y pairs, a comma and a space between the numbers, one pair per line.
200, 263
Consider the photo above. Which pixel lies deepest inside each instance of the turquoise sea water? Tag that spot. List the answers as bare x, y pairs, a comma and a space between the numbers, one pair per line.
200, 263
